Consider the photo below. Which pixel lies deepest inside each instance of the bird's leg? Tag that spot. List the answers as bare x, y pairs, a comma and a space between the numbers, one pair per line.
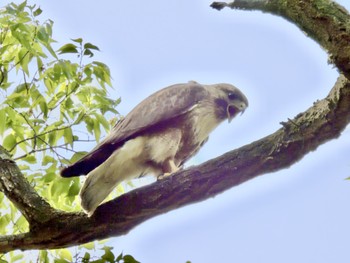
169, 167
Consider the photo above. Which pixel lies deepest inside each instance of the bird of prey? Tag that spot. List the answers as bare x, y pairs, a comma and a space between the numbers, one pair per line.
157, 137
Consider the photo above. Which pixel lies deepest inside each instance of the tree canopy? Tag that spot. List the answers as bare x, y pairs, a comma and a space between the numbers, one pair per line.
53, 99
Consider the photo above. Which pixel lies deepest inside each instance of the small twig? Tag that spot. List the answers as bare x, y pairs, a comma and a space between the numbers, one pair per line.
29, 124
18, 62
39, 135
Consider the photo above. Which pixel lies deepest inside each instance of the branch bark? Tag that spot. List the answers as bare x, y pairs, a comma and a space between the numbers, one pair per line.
324, 121
323, 20
18, 190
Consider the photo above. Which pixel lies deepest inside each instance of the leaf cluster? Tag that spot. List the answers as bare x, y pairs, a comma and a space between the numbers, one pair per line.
53, 99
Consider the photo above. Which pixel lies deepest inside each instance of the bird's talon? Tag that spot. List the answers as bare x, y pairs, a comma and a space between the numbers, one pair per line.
163, 176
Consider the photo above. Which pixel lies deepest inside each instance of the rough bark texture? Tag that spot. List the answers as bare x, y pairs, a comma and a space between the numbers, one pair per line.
327, 23
323, 20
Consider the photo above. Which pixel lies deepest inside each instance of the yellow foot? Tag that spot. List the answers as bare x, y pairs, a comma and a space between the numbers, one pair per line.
170, 168
163, 176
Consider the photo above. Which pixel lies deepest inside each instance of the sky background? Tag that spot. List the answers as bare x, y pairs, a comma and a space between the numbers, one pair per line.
300, 214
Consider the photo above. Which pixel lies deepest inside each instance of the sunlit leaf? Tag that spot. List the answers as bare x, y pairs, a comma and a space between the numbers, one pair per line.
89, 246
2, 121
48, 104
68, 48
74, 189
43, 107
9, 141
43, 35
68, 136
97, 129
29, 159
65, 254
22, 6
47, 159
77, 156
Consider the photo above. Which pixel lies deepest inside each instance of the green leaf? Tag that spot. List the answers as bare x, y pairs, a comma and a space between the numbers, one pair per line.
65, 254
29, 159
108, 255
48, 26
87, 52
37, 12
61, 261
49, 177
50, 49
129, 259
17, 257
9, 142
44, 108
77, 156
91, 46
47, 159
89, 246
43, 257
21, 7
102, 72
39, 64
97, 130
43, 35
24, 59
67, 68
74, 189
103, 121
2, 121
21, 224
68, 136
68, 48
4, 221
120, 257
89, 124
78, 40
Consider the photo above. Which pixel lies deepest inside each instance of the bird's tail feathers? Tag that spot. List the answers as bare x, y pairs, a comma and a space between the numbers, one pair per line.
88, 162
98, 185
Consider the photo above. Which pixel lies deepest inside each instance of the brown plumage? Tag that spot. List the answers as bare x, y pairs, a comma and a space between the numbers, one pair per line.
158, 136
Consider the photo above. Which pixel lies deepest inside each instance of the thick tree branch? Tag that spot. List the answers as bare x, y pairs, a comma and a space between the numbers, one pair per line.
324, 121
21, 193
325, 21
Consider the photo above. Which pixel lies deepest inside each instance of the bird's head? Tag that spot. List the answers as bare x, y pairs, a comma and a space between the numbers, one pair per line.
229, 100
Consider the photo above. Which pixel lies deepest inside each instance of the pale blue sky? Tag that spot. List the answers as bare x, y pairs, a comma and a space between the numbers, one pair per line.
295, 215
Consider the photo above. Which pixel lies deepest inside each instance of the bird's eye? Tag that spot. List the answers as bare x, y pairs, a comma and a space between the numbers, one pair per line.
232, 96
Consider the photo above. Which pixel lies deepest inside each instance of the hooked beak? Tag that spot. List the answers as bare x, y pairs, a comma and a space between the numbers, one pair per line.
233, 109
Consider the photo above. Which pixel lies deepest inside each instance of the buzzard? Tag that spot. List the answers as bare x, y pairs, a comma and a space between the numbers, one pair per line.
157, 137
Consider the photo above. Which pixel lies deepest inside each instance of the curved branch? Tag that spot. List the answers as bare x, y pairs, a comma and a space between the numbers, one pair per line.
325, 21
323, 121
18, 190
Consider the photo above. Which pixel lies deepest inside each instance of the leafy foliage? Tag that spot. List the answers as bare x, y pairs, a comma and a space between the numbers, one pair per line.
51, 102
